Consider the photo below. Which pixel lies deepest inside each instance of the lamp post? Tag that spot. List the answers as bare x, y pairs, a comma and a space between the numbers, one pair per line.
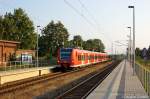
112, 51
37, 48
132, 7
128, 49
130, 45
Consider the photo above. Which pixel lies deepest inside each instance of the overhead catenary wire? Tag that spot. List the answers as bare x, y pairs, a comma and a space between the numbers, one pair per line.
86, 19
82, 15
94, 20
88, 12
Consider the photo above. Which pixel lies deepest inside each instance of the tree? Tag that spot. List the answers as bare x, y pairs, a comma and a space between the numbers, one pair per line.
148, 53
94, 45
144, 53
88, 45
77, 41
54, 36
138, 52
98, 45
1, 27
24, 29
17, 26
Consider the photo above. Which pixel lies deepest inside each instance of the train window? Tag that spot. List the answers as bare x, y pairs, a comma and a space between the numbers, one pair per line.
87, 57
78, 57
65, 53
82, 57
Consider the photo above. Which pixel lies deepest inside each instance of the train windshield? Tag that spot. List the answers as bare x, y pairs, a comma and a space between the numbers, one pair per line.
65, 53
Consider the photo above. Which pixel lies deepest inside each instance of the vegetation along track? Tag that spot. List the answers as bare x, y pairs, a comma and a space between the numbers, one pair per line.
83, 89
13, 86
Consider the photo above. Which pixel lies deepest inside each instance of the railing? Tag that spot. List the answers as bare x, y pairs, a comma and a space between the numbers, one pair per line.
144, 75
12, 65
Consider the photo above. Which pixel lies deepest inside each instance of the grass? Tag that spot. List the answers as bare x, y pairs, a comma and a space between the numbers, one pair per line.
144, 63
144, 67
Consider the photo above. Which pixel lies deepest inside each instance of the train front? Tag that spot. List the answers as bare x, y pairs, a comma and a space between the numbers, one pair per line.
64, 57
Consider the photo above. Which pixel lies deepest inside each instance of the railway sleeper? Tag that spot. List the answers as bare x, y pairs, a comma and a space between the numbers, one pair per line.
58, 92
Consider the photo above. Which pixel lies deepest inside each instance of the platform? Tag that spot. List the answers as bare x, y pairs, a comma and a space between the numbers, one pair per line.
120, 84
18, 74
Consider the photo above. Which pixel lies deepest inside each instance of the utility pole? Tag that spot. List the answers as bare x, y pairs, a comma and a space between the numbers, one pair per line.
130, 42
112, 51
133, 38
37, 48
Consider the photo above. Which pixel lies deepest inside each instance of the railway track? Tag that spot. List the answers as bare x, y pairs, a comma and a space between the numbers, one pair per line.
13, 86
83, 89
30, 81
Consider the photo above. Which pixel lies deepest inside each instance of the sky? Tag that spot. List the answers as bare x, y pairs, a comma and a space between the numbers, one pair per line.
107, 19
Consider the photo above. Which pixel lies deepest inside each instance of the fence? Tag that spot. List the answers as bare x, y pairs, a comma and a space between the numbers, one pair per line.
12, 65
144, 76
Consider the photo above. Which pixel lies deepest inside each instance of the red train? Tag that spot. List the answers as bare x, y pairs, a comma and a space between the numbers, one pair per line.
71, 57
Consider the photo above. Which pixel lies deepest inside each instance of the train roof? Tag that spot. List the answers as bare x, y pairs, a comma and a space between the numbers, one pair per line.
83, 50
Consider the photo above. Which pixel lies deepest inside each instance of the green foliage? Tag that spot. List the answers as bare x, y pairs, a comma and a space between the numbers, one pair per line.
77, 41
17, 26
54, 36
138, 52
91, 44
94, 45
148, 53
145, 63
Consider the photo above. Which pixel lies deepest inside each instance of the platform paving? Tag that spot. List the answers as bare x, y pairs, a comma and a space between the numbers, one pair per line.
9, 72
120, 84
19, 74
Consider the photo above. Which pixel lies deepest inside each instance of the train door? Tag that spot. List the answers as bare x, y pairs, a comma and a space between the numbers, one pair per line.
88, 55
85, 58
82, 58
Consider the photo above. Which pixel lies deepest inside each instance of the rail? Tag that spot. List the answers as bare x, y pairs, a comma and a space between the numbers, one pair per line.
84, 88
12, 86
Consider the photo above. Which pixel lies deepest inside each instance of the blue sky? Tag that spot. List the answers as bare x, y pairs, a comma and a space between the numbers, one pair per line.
112, 17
